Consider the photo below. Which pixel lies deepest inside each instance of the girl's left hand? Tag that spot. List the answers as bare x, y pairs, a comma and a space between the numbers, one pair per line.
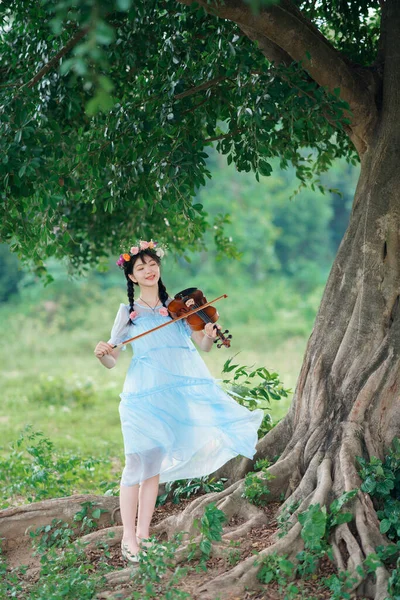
210, 329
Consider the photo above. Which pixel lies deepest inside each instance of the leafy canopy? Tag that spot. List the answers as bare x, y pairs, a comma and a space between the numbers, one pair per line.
107, 109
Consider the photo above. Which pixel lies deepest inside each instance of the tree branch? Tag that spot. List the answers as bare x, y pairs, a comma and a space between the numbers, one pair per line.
201, 87
283, 27
270, 50
56, 59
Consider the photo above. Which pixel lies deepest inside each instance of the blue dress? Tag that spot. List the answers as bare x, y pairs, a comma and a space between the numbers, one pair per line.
176, 420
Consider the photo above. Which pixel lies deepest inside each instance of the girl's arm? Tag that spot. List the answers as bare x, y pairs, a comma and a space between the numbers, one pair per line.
120, 332
106, 355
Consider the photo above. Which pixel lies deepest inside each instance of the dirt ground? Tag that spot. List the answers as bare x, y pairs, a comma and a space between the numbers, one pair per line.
258, 539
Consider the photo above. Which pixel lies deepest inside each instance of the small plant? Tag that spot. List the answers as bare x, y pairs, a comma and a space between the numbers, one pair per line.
10, 579
66, 574
284, 518
262, 464
394, 582
210, 526
241, 387
57, 534
255, 488
381, 480
233, 554
340, 585
33, 469
184, 488
275, 567
317, 522
88, 516
151, 573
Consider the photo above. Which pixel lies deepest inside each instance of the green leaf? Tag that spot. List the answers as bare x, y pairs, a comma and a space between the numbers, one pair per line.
384, 526
368, 485
264, 168
124, 5
105, 34
343, 499
205, 546
314, 522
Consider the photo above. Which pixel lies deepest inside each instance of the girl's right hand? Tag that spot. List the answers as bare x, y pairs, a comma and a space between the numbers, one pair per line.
103, 348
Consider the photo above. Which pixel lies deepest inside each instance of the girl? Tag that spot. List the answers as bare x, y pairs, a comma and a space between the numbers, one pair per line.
177, 422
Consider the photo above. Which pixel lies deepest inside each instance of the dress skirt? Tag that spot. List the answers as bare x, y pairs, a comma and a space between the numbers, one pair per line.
176, 420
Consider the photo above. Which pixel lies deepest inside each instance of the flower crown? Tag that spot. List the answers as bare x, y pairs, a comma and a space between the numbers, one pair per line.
143, 245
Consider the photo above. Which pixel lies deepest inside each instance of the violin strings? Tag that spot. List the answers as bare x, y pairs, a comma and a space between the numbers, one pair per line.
204, 315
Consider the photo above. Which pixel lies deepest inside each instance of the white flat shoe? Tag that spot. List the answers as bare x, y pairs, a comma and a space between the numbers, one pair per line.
128, 555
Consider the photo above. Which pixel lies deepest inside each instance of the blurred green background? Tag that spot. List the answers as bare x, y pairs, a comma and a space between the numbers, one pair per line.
50, 376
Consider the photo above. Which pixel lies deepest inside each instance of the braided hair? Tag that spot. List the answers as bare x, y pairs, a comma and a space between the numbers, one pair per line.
128, 270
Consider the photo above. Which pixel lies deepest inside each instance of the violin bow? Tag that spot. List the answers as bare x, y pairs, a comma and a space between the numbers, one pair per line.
191, 312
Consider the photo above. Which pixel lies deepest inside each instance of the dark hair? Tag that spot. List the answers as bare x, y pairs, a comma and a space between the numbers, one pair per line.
128, 270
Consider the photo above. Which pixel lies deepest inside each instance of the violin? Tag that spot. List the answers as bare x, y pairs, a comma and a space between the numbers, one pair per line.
186, 313
209, 314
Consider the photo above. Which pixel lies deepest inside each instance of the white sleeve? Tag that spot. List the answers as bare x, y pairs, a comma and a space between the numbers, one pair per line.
120, 329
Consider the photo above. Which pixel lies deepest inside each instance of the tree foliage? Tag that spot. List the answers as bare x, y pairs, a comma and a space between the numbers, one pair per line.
107, 110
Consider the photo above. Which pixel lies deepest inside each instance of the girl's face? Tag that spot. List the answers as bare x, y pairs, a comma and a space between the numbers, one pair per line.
146, 272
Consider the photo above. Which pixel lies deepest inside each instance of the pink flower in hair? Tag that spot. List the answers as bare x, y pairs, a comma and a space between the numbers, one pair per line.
134, 250
164, 311
133, 314
120, 261
143, 245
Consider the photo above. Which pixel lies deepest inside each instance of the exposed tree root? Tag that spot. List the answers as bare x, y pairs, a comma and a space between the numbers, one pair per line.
244, 575
119, 594
17, 521
111, 536
122, 576
304, 491
349, 550
184, 521
231, 502
241, 531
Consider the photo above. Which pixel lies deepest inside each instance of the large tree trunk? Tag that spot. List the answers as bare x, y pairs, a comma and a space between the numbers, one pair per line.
346, 399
